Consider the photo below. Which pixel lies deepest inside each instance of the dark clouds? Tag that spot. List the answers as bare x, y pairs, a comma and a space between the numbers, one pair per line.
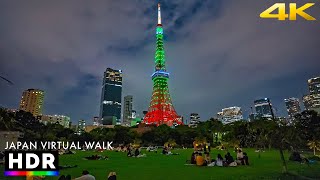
219, 53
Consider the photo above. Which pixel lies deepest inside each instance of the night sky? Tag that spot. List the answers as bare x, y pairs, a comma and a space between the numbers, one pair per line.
219, 53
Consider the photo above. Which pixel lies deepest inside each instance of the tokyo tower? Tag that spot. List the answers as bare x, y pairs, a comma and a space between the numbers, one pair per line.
161, 110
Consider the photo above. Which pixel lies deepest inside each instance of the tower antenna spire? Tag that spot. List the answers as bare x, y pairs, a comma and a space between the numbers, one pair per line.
159, 14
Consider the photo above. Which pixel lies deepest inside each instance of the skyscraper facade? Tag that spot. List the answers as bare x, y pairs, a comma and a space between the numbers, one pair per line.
81, 126
194, 120
293, 106
264, 108
96, 121
56, 119
127, 110
314, 85
161, 110
312, 100
32, 101
110, 104
230, 115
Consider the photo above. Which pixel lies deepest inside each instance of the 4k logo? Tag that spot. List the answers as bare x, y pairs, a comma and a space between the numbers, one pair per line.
294, 11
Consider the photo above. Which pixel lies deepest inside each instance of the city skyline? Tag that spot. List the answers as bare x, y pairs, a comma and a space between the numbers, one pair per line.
210, 52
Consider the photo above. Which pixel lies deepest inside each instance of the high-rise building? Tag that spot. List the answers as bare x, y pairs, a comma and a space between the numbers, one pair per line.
264, 108
161, 110
314, 85
96, 121
194, 120
230, 114
111, 94
133, 114
293, 106
32, 101
127, 110
312, 100
110, 120
81, 126
59, 119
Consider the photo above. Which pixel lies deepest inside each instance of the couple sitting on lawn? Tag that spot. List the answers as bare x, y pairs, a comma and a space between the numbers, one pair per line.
242, 158
137, 153
167, 151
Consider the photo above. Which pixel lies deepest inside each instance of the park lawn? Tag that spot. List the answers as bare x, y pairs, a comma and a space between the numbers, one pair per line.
161, 167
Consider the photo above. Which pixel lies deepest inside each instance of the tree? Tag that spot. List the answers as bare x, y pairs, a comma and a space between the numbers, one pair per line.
314, 145
171, 143
7, 120
308, 125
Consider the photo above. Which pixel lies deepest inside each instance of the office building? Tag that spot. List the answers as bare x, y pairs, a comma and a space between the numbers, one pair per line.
110, 105
264, 108
32, 101
314, 85
55, 119
293, 107
127, 110
194, 120
110, 120
81, 126
230, 115
312, 100
96, 121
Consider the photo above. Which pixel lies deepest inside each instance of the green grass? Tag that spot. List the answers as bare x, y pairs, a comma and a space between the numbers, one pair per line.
160, 167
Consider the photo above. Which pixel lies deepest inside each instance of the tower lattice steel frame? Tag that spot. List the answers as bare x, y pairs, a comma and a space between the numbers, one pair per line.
161, 110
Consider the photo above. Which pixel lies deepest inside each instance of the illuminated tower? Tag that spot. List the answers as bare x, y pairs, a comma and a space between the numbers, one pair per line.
161, 110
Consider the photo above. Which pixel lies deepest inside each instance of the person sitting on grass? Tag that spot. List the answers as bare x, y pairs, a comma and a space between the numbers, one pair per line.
97, 157
85, 176
200, 160
63, 177
129, 154
219, 161
240, 157
229, 159
193, 157
168, 151
164, 150
34, 177
207, 158
245, 159
67, 166
112, 176
136, 152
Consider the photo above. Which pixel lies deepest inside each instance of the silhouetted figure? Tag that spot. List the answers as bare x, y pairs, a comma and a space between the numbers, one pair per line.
136, 153
85, 176
229, 158
245, 159
193, 158
112, 176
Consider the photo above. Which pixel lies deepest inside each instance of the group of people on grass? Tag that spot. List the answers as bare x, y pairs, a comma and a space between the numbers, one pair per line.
97, 157
135, 152
65, 151
167, 151
87, 176
198, 159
